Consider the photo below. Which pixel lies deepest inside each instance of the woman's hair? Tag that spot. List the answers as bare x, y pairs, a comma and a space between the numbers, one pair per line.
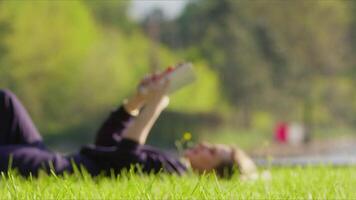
239, 161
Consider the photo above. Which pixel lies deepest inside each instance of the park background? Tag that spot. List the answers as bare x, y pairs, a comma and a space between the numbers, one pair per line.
258, 63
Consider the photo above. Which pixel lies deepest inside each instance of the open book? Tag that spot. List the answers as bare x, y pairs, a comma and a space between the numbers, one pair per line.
181, 75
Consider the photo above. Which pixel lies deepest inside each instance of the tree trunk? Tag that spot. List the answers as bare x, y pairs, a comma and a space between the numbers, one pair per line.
308, 119
246, 116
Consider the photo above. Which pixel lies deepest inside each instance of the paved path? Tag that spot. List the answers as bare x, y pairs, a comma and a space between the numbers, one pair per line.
341, 152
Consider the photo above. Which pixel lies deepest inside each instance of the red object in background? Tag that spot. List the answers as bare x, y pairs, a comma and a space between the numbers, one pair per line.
281, 132
169, 69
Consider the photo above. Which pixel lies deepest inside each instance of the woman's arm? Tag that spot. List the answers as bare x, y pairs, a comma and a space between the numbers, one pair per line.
119, 120
156, 102
150, 83
114, 125
134, 104
139, 130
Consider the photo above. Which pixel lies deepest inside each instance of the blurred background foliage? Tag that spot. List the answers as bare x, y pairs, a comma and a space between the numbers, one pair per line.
258, 62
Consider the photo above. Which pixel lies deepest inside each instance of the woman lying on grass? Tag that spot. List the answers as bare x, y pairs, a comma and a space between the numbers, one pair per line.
119, 144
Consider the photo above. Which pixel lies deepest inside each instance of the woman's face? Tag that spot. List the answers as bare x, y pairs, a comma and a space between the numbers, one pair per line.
205, 156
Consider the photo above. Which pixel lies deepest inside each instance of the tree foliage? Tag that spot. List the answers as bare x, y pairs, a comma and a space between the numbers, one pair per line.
73, 61
273, 55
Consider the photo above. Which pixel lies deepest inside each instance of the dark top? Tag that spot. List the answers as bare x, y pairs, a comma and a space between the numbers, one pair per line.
127, 153
110, 153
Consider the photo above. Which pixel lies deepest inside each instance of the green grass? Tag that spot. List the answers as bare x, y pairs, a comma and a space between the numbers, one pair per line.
322, 182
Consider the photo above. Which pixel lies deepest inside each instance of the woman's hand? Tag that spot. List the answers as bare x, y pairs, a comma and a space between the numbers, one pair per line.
154, 87
151, 90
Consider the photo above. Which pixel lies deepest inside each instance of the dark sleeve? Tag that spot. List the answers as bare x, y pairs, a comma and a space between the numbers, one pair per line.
149, 158
116, 158
29, 160
127, 153
116, 123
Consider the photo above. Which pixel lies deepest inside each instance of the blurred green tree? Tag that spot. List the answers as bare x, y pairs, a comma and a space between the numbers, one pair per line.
70, 62
111, 13
46, 45
270, 54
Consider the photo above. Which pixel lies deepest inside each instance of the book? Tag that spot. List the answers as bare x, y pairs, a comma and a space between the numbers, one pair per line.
180, 76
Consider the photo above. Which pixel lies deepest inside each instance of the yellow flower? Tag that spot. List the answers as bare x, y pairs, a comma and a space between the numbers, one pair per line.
187, 136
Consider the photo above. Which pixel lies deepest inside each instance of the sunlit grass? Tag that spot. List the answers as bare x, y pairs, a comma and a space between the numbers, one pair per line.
285, 183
